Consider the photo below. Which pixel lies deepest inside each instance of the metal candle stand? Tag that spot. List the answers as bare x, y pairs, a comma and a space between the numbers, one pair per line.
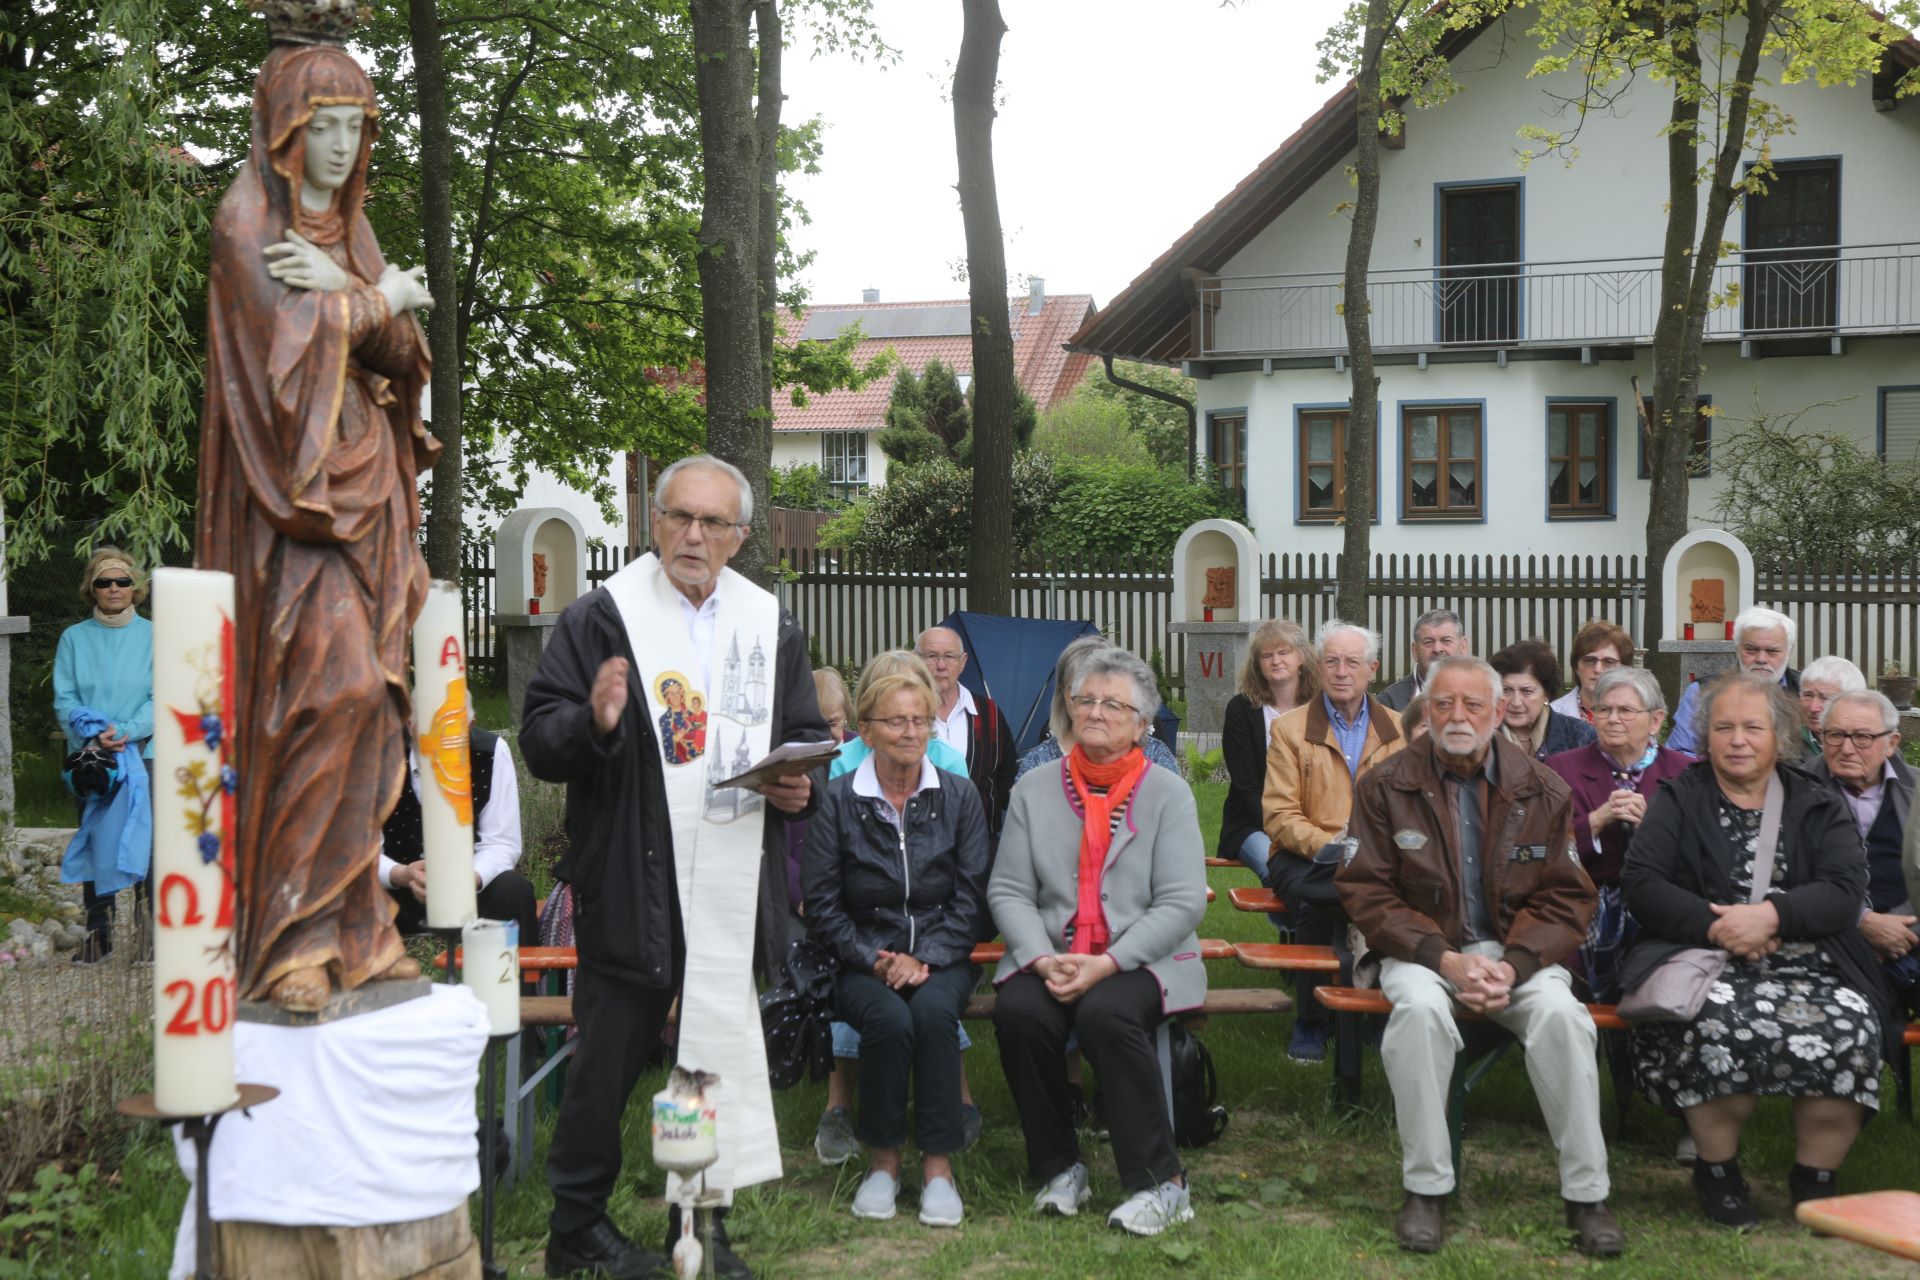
489, 1075
199, 1131
449, 938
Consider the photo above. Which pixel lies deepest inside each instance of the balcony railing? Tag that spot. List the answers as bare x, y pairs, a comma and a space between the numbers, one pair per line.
1833, 290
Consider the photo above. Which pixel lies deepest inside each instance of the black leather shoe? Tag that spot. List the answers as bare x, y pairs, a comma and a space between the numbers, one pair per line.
1599, 1236
1724, 1196
600, 1251
726, 1263
1422, 1224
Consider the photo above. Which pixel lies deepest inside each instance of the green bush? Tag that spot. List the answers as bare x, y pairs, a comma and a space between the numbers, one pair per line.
1088, 428
1064, 510
1121, 509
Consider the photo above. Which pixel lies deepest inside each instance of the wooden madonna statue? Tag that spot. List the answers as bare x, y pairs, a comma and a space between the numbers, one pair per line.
311, 442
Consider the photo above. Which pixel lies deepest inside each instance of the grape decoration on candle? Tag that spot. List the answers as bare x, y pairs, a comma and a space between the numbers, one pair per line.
446, 771
194, 826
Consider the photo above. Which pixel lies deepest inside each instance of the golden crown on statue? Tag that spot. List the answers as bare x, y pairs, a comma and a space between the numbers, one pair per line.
309, 21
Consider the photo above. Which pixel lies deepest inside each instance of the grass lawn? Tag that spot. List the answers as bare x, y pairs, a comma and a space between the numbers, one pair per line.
1292, 1187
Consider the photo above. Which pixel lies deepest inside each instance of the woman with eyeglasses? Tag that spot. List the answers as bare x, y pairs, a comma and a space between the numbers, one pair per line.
895, 880
1529, 680
1598, 648
1824, 680
103, 695
1612, 780
1098, 888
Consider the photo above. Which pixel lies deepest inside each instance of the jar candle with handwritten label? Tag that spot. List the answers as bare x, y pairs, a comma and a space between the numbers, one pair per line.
194, 785
490, 967
444, 779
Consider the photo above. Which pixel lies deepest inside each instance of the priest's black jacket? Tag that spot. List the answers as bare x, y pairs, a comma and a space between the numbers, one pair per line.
619, 858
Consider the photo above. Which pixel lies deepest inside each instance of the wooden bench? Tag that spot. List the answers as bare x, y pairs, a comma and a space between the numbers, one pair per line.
1287, 957
1885, 1220
532, 959
1263, 900
1224, 864
557, 1011
1210, 949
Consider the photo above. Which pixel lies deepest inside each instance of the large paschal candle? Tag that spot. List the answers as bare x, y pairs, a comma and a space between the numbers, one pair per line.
194, 825
445, 787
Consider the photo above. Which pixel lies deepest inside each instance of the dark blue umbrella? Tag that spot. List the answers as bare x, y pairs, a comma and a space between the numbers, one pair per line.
1011, 660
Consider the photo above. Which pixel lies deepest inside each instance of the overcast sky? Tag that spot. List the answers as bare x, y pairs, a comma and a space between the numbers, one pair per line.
1123, 122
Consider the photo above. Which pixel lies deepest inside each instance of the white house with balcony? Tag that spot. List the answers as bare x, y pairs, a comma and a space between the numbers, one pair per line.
1513, 309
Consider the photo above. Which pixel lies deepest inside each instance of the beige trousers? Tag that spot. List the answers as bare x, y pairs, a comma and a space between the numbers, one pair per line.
1558, 1036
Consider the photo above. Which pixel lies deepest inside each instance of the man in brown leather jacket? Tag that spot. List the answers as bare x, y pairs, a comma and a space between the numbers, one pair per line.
1467, 881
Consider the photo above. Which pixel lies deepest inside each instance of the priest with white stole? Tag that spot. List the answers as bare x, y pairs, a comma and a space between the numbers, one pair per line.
652, 688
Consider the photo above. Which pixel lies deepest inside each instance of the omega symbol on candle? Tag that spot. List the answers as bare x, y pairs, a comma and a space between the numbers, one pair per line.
445, 748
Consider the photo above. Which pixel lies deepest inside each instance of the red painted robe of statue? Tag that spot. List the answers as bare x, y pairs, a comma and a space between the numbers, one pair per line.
310, 445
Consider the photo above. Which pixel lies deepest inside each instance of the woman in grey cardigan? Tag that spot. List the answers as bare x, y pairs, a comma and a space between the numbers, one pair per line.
1099, 885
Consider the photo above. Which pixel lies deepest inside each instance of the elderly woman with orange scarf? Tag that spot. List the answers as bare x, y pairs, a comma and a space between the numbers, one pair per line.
1098, 887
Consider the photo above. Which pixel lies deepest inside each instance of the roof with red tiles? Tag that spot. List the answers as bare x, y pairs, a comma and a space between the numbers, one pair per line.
919, 332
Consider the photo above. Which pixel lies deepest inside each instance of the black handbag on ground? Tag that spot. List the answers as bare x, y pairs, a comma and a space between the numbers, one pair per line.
796, 1016
1198, 1117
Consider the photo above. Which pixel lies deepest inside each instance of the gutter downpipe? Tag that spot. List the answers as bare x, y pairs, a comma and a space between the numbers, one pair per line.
1166, 396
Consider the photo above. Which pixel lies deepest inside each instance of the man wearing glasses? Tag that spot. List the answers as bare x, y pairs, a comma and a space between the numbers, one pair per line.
971, 725
1860, 758
679, 887
1438, 634
1762, 643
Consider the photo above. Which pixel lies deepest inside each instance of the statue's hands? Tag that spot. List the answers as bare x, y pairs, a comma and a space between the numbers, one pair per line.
404, 290
299, 262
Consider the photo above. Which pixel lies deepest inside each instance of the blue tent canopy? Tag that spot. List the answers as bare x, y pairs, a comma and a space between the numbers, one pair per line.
1011, 660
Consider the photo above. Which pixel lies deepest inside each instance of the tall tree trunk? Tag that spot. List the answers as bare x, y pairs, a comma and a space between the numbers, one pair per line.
729, 255
769, 37
1686, 284
436, 214
995, 397
1363, 408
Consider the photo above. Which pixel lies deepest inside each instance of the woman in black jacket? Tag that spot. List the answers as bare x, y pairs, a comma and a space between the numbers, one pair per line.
895, 876
1801, 1010
1277, 675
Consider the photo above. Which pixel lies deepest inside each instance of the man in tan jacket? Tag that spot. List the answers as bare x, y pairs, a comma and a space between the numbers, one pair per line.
1467, 880
1313, 757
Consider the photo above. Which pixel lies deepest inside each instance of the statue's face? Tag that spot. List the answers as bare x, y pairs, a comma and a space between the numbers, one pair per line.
333, 144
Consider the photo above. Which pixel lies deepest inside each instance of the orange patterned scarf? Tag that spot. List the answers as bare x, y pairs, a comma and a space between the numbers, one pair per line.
1119, 777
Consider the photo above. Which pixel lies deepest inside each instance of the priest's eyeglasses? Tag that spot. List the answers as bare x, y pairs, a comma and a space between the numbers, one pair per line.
712, 526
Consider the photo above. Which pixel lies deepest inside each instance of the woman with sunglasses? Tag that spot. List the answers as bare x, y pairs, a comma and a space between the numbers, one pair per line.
103, 669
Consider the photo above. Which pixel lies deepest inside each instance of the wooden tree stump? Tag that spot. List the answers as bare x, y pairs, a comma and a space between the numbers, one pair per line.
440, 1248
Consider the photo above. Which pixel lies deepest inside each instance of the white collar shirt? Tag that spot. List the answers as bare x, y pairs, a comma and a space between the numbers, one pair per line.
953, 728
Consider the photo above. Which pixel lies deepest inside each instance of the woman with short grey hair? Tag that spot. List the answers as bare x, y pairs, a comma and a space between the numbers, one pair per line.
1098, 888
1824, 680
1612, 781
1066, 673
1802, 1009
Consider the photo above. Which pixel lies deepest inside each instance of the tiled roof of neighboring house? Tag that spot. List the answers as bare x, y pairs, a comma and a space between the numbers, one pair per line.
1151, 319
922, 331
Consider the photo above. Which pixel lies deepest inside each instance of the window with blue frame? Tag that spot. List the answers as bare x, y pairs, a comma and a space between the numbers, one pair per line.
1579, 443
1441, 475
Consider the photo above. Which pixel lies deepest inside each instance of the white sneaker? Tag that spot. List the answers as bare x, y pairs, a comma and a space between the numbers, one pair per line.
1148, 1213
874, 1201
1065, 1194
940, 1204
1685, 1153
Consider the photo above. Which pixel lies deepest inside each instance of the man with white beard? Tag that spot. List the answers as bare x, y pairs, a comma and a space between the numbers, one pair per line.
1466, 879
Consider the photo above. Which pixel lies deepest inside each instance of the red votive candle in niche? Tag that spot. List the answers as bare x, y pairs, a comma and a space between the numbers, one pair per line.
533, 604
1206, 615
1729, 628
1689, 632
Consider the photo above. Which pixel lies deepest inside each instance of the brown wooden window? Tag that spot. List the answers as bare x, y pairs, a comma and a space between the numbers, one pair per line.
1579, 453
1227, 451
1323, 464
1441, 470
1701, 459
